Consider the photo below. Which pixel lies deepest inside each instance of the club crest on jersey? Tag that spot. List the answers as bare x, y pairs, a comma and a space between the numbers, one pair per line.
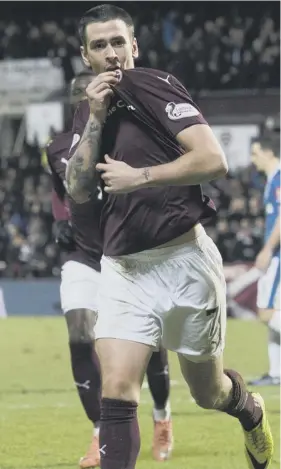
180, 111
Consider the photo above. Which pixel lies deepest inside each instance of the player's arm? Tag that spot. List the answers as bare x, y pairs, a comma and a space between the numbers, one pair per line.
274, 239
59, 208
264, 257
203, 161
202, 157
81, 174
62, 230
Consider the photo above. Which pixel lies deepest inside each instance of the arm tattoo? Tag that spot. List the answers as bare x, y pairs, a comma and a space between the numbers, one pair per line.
146, 174
81, 174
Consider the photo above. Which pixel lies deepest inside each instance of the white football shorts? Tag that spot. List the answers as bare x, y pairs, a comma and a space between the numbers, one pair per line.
79, 286
172, 295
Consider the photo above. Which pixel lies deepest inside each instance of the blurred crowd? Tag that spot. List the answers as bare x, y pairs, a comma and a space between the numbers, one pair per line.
27, 247
226, 46
233, 45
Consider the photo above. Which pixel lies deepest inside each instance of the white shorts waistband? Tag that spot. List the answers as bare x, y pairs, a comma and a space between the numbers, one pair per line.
163, 252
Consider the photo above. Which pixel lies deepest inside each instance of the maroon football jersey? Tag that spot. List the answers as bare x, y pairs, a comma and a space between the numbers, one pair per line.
84, 218
138, 131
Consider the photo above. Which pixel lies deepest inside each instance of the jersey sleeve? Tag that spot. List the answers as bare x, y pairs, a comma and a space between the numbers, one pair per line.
57, 183
59, 207
171, 103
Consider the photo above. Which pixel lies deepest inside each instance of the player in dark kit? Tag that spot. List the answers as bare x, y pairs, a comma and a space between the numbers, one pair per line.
161, 276
82, 249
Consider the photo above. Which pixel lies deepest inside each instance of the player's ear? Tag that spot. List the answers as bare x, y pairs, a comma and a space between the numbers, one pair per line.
135, 50
84, 56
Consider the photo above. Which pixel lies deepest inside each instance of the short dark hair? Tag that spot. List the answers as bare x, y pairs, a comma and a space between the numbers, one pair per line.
102, 14
269, 142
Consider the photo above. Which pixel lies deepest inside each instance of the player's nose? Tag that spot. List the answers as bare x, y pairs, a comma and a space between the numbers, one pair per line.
110, 53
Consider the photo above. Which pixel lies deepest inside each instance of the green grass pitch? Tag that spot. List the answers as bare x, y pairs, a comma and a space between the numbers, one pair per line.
42, 425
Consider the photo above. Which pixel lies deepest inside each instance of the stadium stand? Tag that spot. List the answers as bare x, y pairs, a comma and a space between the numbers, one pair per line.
229, 48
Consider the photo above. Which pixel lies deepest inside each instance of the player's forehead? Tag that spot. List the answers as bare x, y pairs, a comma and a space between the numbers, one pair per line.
106, 30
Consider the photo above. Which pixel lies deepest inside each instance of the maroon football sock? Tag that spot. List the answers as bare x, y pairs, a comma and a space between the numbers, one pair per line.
86, 373
242, 405
158, 378
119, 434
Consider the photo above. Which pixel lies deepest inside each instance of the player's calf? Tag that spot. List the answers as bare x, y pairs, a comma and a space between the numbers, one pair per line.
84, 362
159, 384
207, 383
272, 377
212, 387
123, 364
229, 395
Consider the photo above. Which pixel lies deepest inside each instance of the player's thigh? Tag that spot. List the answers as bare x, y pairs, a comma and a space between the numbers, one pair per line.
196, 326
123, 365
267, 290
126, 303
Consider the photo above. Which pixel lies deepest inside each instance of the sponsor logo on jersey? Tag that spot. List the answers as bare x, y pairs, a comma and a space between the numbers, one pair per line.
180, 111
120, 104
165, 79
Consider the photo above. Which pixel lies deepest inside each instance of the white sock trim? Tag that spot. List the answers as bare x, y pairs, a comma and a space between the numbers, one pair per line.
274, 359
162, 414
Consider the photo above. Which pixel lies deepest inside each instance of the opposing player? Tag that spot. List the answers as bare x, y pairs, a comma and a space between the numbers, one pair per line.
266, 158
81, 251
81, 245
162, 278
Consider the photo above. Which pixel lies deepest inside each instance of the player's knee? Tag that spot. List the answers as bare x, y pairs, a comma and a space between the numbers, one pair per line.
80, 324
120, 387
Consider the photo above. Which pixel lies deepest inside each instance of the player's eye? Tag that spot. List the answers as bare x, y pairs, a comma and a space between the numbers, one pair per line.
98, 46
118, 43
